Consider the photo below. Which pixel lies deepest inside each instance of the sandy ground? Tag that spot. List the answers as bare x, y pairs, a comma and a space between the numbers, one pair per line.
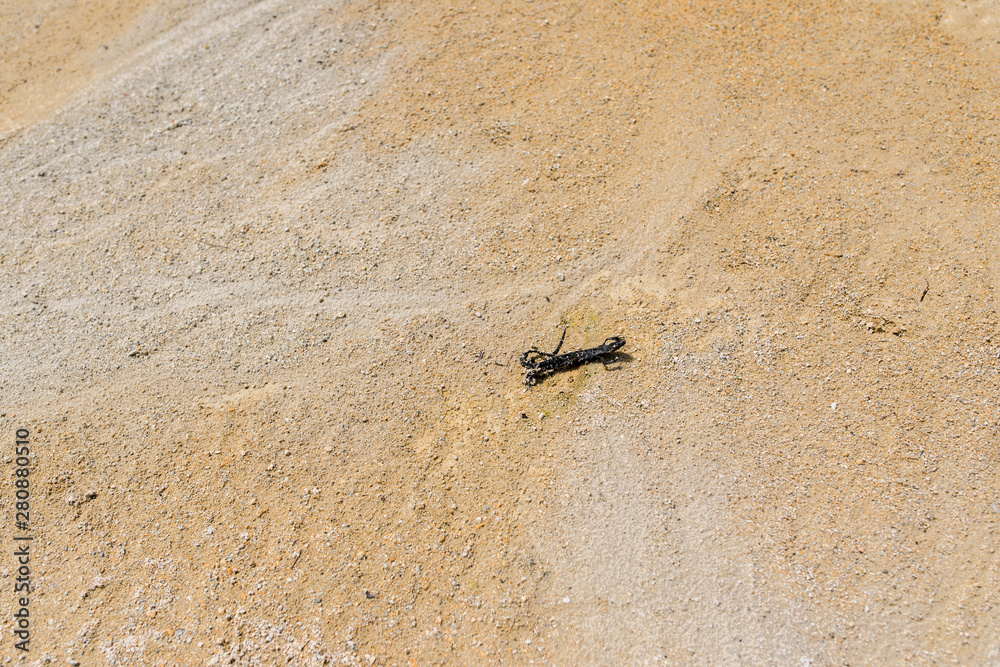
268, 269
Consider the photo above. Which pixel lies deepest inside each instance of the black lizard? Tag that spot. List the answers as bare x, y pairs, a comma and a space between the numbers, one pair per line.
541, 363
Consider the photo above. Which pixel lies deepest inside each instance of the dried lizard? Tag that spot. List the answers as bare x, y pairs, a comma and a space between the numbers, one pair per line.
541, 363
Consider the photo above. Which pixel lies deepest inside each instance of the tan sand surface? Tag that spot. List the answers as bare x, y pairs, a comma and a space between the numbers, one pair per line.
268, 269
